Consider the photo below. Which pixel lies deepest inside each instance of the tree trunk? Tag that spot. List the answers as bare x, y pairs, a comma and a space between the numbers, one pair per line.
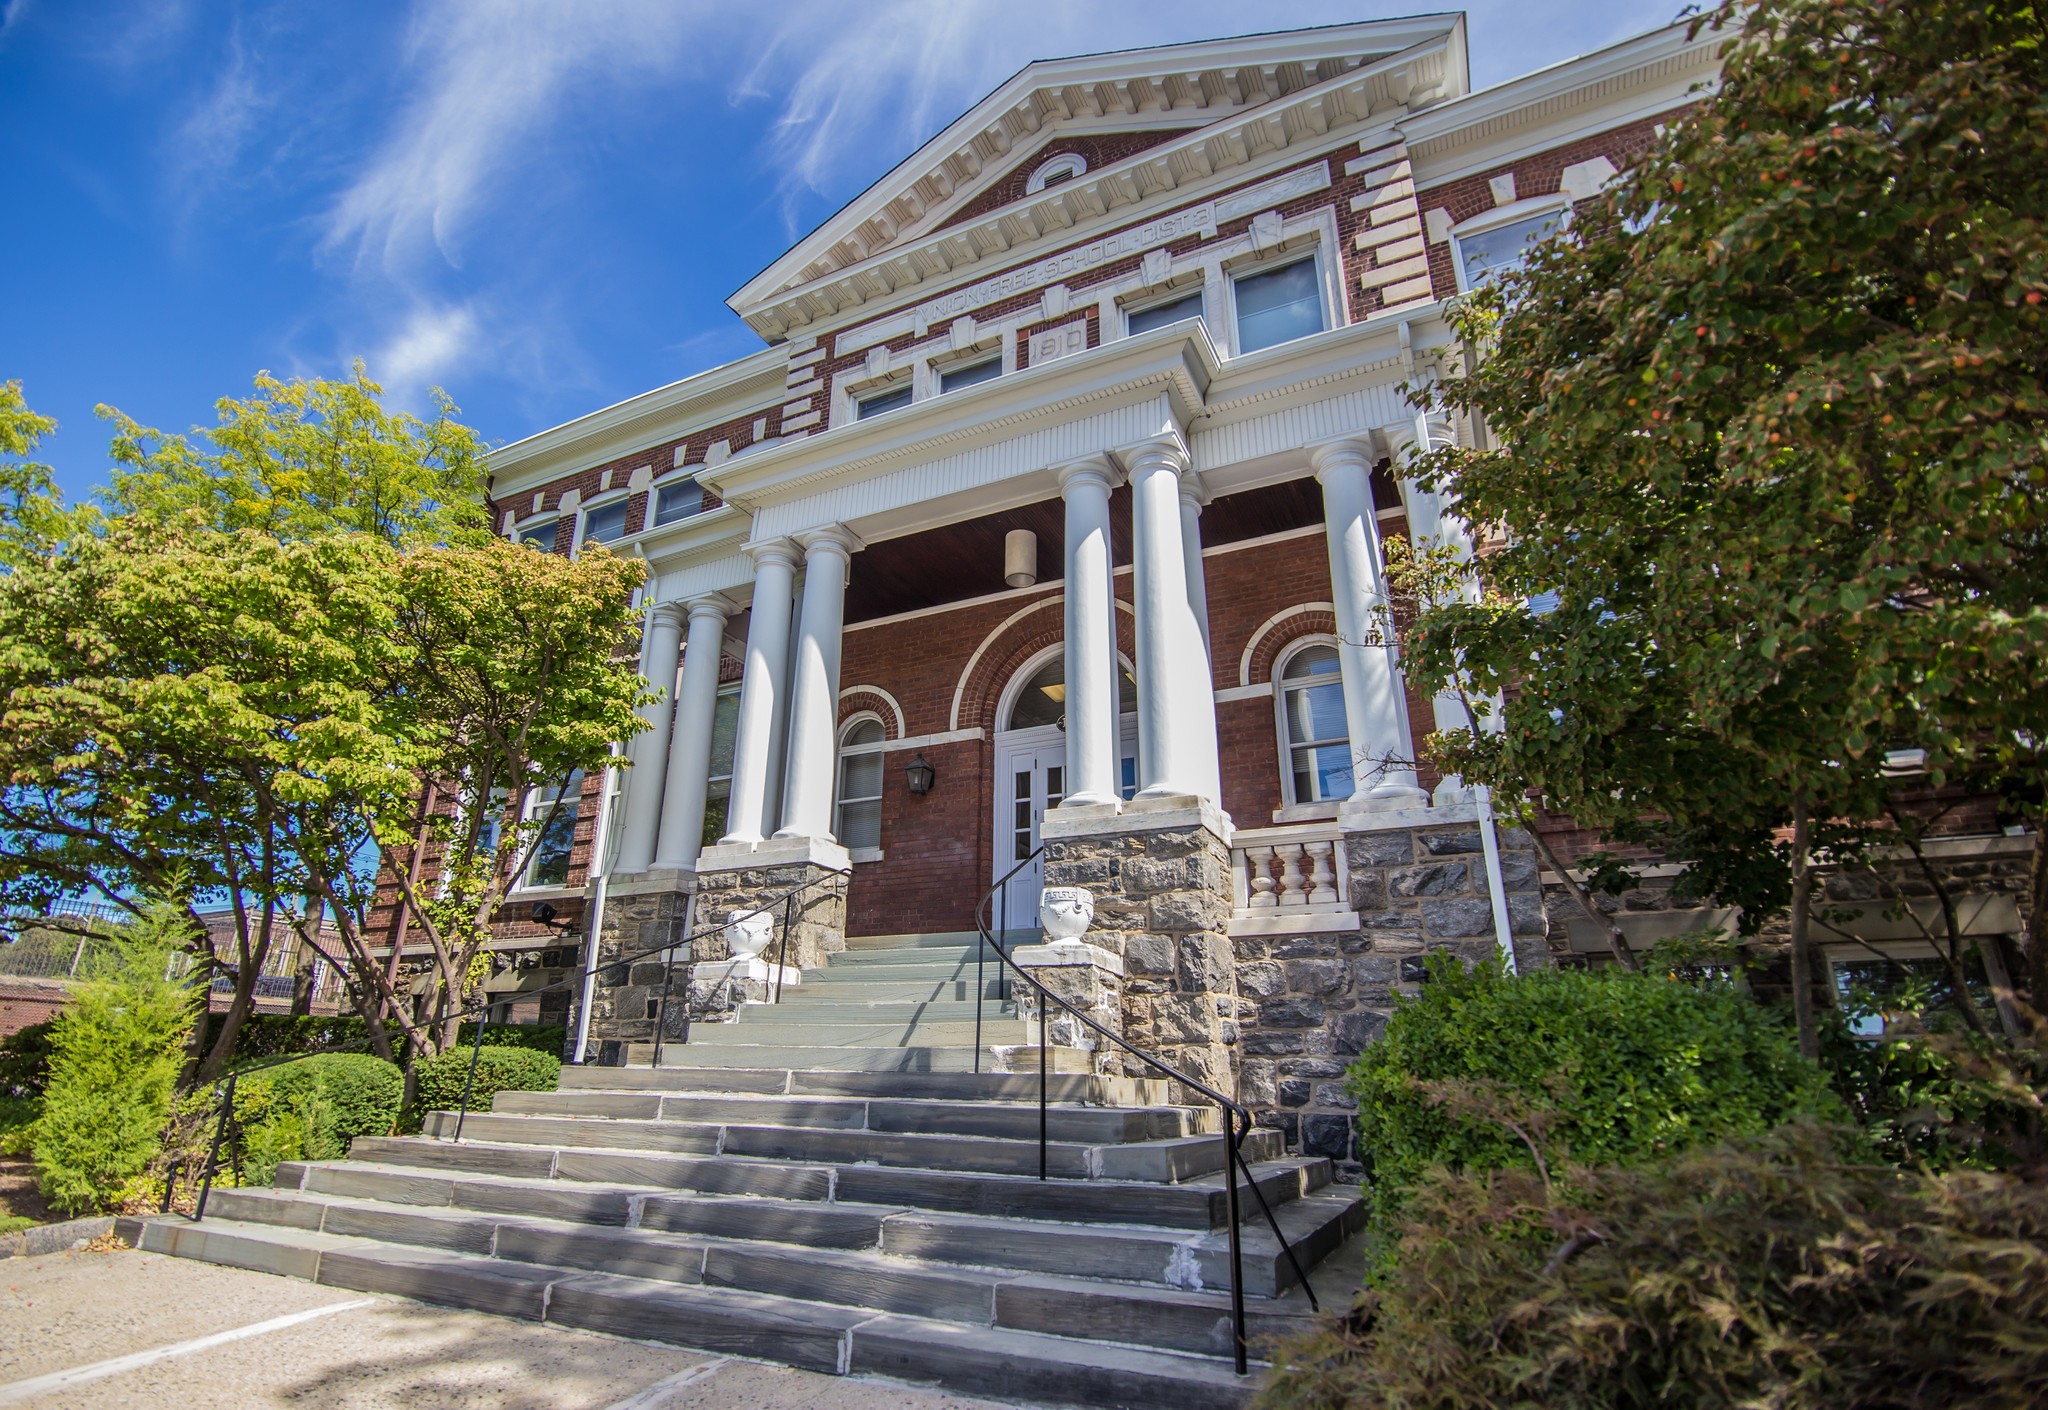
1802, 940
223, 1046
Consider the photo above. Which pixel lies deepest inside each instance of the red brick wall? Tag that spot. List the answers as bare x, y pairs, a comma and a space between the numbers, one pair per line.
1538, 174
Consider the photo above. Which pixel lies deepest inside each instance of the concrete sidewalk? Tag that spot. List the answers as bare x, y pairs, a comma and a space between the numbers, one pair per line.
63, 1315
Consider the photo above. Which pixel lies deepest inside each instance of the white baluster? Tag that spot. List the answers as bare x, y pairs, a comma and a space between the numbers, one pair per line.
1322, 889
1290, 873
1259, 864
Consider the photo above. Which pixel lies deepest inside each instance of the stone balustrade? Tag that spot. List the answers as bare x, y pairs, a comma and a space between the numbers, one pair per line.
1290, 879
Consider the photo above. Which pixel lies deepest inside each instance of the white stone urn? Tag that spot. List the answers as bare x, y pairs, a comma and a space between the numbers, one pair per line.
749, 933
1065, 912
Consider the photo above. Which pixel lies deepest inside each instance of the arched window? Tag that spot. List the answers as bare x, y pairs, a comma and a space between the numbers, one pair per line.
1315, 745
1043, 698
1064, 167
859, 821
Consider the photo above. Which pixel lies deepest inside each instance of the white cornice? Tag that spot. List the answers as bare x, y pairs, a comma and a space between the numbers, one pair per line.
1664, 60
664, 414
837, 267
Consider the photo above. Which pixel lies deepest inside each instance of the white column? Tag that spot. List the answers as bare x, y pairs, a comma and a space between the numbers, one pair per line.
649, 749
1176, 708
1091, 637
761, 689
778, 733
1429, 526
1193, 496
814, 698
1375, 707
689, 764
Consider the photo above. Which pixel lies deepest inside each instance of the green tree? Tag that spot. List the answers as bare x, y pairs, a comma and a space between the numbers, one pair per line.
305, 457
202, 714
114, 1065
1767, 424
29, 513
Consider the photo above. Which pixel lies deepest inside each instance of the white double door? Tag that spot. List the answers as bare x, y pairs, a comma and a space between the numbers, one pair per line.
1031, 779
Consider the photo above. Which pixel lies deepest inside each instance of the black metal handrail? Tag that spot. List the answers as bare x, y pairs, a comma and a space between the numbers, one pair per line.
1234, 1112
225, 1110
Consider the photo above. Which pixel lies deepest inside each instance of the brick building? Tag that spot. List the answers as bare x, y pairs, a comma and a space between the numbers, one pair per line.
1047, 527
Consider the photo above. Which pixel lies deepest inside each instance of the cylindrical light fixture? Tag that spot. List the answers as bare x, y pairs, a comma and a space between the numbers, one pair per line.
1020, 558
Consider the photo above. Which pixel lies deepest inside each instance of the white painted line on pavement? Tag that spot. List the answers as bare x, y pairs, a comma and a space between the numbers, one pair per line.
653, 1395
42, 1385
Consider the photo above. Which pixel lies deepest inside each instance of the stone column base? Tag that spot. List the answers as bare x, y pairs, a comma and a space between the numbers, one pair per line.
1160, 876
734, 880
641, 913
1086, 976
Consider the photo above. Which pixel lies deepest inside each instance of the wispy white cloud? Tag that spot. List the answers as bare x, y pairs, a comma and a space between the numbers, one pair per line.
208, 144
430, 344
493, 80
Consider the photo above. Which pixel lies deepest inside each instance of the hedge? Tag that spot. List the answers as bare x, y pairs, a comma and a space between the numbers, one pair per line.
274, 1035
1603, 1066
439, 1080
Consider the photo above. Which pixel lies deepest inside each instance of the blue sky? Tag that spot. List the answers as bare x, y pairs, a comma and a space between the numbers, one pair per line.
540, 205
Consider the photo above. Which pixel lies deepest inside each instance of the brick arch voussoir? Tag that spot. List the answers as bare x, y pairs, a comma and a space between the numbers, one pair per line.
1283, 636
858, 702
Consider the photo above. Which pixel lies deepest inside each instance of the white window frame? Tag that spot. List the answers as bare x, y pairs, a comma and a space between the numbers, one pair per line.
533, 521
978, 356
1295, 809
1494, 219
895, 381
1233, 271
687, 474
1071, 165
839, 754
726, 777
602, 502
535, 804
1188, 289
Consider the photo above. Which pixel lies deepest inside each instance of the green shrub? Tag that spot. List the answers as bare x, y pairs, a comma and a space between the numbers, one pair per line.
25, 1061
363, 1092
440, 1079
549, 1038
1759, 1272
274, 1035
1484, 1070
118, 1050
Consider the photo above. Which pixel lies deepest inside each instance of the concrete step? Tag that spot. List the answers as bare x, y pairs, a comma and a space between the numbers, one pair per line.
836, 1010
891, 988
1194, 1204
922, 1057
1167, 1160
967, 1357
937, 940
770, 1024
905, 1114
679, 1076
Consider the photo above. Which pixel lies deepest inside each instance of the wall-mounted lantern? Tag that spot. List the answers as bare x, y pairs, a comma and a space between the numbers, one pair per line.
919, 775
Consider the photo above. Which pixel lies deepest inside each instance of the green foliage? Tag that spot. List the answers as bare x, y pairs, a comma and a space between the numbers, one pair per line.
15, 1223
439, 1080
274, 1035
25, 1060
549, 1038
29, 512
1762, 1272
1767, 424
1485, 1071
305, 458
17, 1123
312, 1109
118, 1049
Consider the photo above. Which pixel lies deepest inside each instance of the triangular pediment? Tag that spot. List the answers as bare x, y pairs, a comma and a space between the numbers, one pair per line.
1111, 110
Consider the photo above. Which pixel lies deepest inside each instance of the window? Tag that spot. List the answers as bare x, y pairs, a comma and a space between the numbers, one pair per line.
1484, 255
1278, 305
1064, 167
539, 534
1312, 726
1043, 700
604, 523
678, 499
1910, 987
858, 823
1144, 320
725, 729
555, 812
954, 378
875, 403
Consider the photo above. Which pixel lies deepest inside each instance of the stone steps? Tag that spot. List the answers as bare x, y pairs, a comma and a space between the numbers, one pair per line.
811, 1185
973, 1357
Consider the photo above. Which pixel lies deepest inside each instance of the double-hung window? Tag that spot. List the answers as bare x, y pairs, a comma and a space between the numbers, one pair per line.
539, 534
859, 821
875, 403
725, 730
952, 379
1313, 730
1278, 305
604, 523
1485, 254
1144, 320
677, 499
554, 811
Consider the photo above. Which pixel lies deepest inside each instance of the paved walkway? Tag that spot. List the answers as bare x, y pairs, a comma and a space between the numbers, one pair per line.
96, 1331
